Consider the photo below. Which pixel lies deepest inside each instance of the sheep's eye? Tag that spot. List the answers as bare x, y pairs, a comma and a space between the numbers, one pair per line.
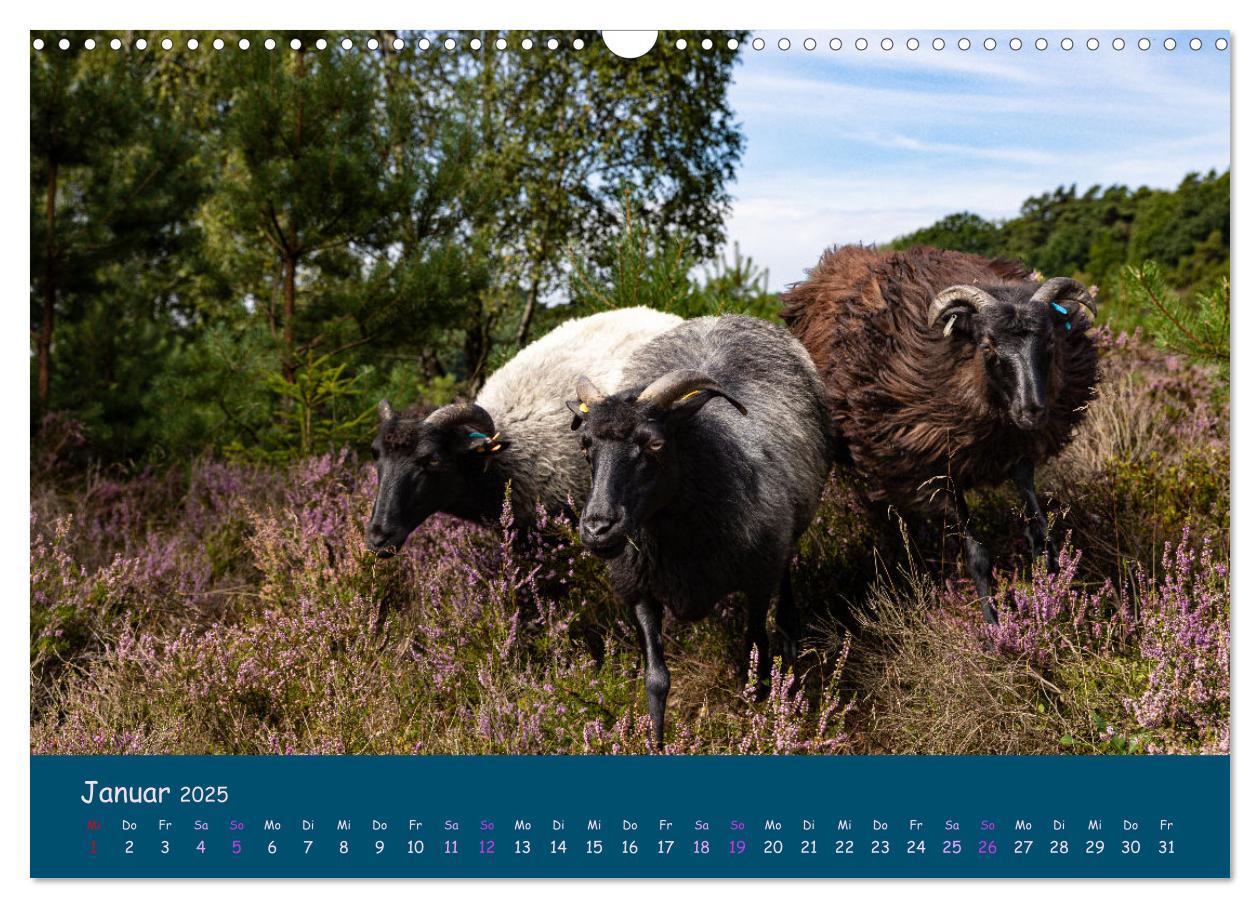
430, 461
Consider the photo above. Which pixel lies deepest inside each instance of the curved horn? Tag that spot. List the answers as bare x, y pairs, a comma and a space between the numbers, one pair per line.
976, 298
1064, 288
587, 393
462, 414
385, 411
682, 383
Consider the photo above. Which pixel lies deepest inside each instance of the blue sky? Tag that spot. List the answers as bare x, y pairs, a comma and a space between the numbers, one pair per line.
848, 145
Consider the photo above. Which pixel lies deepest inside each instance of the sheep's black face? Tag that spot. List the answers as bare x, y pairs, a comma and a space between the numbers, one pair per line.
425, 466
1016, 340
632, 470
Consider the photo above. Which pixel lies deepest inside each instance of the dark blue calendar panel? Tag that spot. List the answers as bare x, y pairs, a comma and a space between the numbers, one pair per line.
630, 816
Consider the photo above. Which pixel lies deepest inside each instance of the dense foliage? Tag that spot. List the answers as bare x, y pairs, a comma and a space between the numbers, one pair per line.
1096, 234
240, 251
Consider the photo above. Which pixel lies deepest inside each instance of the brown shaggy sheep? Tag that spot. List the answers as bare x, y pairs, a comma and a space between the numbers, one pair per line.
947, 371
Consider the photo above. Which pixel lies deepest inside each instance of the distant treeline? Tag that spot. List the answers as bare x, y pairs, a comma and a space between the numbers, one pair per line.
1092, 235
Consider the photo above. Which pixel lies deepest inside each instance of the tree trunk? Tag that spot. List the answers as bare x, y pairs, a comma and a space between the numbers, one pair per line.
531, 303
44, 344
290, 307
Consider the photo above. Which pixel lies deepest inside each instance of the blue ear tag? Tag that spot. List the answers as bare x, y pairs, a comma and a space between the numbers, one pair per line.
1067, 327
1059, 309
477, 435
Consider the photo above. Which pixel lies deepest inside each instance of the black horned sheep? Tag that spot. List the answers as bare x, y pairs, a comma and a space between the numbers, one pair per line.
692, 501
459, 459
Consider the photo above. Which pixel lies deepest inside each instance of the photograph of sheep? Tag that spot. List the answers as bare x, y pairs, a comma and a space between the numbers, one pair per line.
490, 393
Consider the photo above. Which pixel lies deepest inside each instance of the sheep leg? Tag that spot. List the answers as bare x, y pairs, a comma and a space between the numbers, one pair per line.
978, 563
656, 678
756, 634
788, 619
1035, 527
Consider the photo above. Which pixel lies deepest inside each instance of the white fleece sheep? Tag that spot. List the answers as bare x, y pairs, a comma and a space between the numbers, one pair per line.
526, 399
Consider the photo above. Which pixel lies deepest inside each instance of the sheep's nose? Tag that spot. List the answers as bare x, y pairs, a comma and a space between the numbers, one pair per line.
377, 539
597, 526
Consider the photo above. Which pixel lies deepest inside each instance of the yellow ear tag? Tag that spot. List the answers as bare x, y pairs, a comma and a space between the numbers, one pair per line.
688, 395
584, 408
495, 448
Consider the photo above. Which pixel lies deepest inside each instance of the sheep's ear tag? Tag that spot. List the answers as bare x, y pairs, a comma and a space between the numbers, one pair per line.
1059, 309
949, 325
487, 444
584, 408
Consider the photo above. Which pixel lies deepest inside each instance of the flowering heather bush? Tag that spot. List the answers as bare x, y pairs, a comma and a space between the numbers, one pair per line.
240, 612
225, 608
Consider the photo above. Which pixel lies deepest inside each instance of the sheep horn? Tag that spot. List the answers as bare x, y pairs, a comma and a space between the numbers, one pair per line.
385, 411
959, 293
681, 383
588, 394
462, 414
1064, 288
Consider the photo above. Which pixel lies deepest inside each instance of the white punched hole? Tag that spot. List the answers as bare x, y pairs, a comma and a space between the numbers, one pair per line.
784, 44
1092, 44
193, 44
680, 44
758, 43
243, 44
1196, 44
321, 44
217, 44
1170, 44
578, 44
295, 44
938, 44
1066, 44
1221, 44
425, 44
449, 43
64, 43
1144, 43
141, 44
270, 44
399, 44
553, 44
1041, 44
861, 44
809, 44
500, 44
115, 44
38, 44
835, 44
912, 44
527, 44
373, 44
964, 44
886, 44
1117, 44
1016, 44
167, 44
90, 43
732, 44
990, 44
346, 44
629, 44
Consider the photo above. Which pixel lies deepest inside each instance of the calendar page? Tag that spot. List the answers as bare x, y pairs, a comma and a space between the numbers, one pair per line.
630, 454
